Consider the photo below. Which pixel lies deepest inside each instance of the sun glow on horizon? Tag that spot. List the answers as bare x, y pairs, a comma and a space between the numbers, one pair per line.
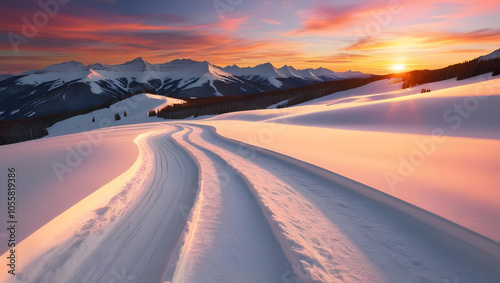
398, 67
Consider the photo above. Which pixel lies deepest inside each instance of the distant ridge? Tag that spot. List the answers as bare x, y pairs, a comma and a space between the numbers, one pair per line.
492, 55
70, 86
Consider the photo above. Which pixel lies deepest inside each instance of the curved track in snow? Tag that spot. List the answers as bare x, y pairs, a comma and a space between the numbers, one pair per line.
196, 207
129, 236
330, 233
144, 239
230, 240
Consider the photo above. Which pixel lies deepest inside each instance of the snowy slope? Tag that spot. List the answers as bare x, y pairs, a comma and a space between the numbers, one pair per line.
328, 232
257, 217
307, 74
137, 69
492, 55
268, 72
73, 86
4, 76
260, 72
136, 109
197, 206
348, 133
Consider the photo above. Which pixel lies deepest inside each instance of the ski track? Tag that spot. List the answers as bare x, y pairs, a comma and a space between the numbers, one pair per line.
331, 234
232, 241
124, 240
212, 210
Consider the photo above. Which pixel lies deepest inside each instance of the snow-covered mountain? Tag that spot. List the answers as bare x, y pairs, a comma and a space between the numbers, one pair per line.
492, 55
4, 76
74, 86
275, 76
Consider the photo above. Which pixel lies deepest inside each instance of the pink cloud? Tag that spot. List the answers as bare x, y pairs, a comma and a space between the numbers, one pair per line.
270, 21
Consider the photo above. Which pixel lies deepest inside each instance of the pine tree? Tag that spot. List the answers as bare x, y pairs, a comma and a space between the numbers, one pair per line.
124, 113
93, 119
117, 117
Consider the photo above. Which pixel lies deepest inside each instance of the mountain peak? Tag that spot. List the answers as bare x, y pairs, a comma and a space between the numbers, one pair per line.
138, 64
136, 60
70, 66
492, 55
186, 67
291, 68
186, 61
267, 64
268, 67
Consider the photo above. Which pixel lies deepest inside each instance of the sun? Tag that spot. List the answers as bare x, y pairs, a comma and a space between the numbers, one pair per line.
398, 67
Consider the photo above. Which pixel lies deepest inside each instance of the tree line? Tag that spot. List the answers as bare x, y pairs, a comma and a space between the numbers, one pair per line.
225, 104
13, 131
467, 69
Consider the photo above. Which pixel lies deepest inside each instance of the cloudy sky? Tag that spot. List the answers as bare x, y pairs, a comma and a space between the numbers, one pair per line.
369, 35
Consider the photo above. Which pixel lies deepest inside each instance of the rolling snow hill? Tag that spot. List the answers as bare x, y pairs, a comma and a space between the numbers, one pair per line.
274, 195
492, 55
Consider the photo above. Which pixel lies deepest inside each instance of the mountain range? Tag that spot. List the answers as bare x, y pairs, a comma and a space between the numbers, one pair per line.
74, 86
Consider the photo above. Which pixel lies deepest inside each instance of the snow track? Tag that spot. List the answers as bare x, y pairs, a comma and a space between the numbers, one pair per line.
147, 235
231, 240
330, 233
129, 235
197, 207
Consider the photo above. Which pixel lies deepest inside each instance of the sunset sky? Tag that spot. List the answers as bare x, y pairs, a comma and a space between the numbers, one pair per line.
376, 36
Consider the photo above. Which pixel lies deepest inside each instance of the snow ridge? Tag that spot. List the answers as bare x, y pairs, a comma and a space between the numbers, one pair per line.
492, 55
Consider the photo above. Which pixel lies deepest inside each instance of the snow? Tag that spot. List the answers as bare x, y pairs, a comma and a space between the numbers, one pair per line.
137, 108
4, 77
136, 65
36, 79
350, 74
43, 186
65, 67
14, 111
187, 70
332, 233
99, 238
190, 73
95, 88
289, 71
307, 74
216, 90
212, 75
154, 200
355, 129
228, 217
492, 55
93, 75
325, 73
138, 70
266, 71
